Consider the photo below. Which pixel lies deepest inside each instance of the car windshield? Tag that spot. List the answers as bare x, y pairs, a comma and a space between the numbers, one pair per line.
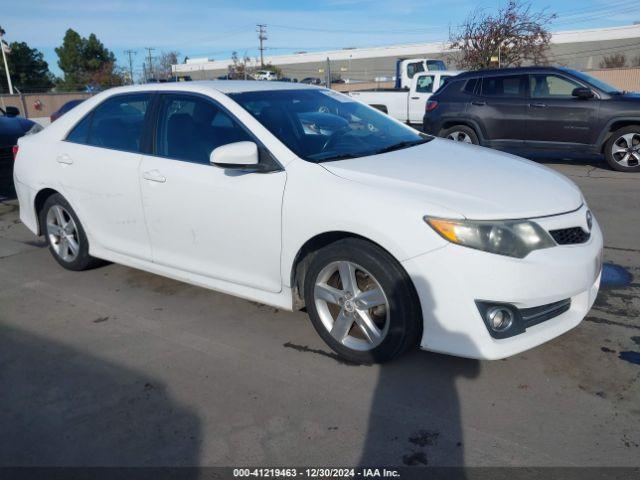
322, 125
599, 84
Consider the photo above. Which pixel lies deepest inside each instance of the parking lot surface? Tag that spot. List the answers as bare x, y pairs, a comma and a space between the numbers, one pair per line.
115, 366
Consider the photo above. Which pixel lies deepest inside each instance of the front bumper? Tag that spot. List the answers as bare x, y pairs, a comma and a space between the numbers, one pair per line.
450, 280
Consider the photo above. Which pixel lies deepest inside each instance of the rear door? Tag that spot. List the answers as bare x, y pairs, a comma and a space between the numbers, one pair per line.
555, 117
98, 164
500, 109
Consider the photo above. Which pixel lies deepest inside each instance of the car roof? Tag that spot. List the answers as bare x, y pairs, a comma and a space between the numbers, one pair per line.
508, 71
223, 86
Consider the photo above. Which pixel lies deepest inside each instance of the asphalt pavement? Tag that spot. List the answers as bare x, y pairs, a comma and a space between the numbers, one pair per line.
115, 366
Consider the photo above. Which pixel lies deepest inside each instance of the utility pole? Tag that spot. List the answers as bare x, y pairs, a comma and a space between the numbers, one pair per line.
4, 57
262, 36
130, 52
150, 64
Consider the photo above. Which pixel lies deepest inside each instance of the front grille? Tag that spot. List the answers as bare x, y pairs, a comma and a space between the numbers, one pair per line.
570, 236
535, 315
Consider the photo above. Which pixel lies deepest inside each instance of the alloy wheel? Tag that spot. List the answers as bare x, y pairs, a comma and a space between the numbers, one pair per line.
63, 233
626, 149
352, 305
458, 136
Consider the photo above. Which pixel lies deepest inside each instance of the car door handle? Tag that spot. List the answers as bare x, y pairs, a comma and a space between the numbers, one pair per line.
415, 98
154, 176
538, 105
478, 103
64, 159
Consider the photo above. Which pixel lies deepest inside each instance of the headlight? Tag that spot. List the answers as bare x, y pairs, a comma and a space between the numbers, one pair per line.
35, 128
514, 238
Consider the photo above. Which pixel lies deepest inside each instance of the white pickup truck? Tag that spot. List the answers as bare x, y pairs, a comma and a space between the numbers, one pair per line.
406, 105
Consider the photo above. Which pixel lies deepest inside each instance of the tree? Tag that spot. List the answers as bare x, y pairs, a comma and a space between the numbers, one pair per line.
615, 60
86, 63
29, 71
239, 69
162, 68
515, 35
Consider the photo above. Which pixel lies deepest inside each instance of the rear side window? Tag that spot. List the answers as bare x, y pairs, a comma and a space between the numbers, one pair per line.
116, 123
471, 86
507, 86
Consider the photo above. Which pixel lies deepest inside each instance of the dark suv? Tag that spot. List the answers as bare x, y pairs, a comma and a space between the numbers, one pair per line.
541, 108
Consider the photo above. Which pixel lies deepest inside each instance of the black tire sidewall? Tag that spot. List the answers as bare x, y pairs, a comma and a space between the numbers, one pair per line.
462, 128
83, 260
405, 313
609, 144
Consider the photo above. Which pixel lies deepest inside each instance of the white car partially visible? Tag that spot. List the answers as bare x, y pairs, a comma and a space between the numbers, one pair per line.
293, 195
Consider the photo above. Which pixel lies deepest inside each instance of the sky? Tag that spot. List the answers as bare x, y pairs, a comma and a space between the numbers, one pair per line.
215, 28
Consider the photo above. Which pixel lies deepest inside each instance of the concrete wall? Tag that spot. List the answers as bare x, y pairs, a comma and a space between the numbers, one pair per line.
48, 103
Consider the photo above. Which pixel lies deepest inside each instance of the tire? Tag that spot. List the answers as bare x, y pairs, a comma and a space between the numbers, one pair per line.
55, 211
458, 132
396, 313
624, 160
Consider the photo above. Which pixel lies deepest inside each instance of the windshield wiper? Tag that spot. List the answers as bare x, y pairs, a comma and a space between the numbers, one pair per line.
343, 156
401, 145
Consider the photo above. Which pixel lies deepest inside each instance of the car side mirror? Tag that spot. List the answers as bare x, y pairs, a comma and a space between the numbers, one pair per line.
11, 111
583, 93
238, 155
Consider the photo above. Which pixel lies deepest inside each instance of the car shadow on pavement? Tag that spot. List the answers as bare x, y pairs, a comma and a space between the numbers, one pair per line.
61, 406
415, 417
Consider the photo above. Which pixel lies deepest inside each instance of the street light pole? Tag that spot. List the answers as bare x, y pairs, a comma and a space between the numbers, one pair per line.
4, 57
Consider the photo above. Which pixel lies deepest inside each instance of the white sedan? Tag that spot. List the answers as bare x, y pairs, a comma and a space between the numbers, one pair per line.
296, 196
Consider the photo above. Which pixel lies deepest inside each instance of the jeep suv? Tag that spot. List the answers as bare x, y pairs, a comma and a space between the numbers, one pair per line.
539, 108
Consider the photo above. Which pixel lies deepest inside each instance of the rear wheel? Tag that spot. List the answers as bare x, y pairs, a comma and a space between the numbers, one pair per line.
622, 150
460, 133
65, 236
361, 302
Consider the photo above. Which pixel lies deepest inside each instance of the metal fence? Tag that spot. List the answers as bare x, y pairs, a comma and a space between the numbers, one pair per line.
622, 78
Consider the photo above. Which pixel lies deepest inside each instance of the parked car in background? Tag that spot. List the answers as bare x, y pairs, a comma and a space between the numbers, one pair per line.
265, 75
65, 108
407, 68
293, 195
12, 127
406, 105
311, 81
539, 108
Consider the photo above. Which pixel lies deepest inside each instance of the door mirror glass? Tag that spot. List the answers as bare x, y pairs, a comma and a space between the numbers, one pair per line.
238, 155
582, 92
11, 111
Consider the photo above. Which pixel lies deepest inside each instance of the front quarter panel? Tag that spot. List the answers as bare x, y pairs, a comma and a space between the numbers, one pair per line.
317, 201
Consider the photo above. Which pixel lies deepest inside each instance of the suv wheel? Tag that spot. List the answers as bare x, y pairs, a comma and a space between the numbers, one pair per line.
460, 133
361, 302
65, 236
622, 150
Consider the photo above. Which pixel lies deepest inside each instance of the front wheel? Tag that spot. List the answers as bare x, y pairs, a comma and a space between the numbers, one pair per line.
65, 236
622, 150
460, 133
361, 302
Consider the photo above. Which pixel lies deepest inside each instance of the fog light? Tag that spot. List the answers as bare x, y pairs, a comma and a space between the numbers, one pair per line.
499, 318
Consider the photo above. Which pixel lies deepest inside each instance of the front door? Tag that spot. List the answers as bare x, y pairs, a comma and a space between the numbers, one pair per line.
555, 116
222, 224
425, 84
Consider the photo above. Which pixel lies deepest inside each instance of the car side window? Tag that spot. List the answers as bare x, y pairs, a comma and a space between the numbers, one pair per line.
470, 86
504, 86
190, 128
116, 123
425, 84
413, 68
80, 132
551, 86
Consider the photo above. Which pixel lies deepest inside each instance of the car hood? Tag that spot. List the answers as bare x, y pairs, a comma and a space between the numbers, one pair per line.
476, 182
